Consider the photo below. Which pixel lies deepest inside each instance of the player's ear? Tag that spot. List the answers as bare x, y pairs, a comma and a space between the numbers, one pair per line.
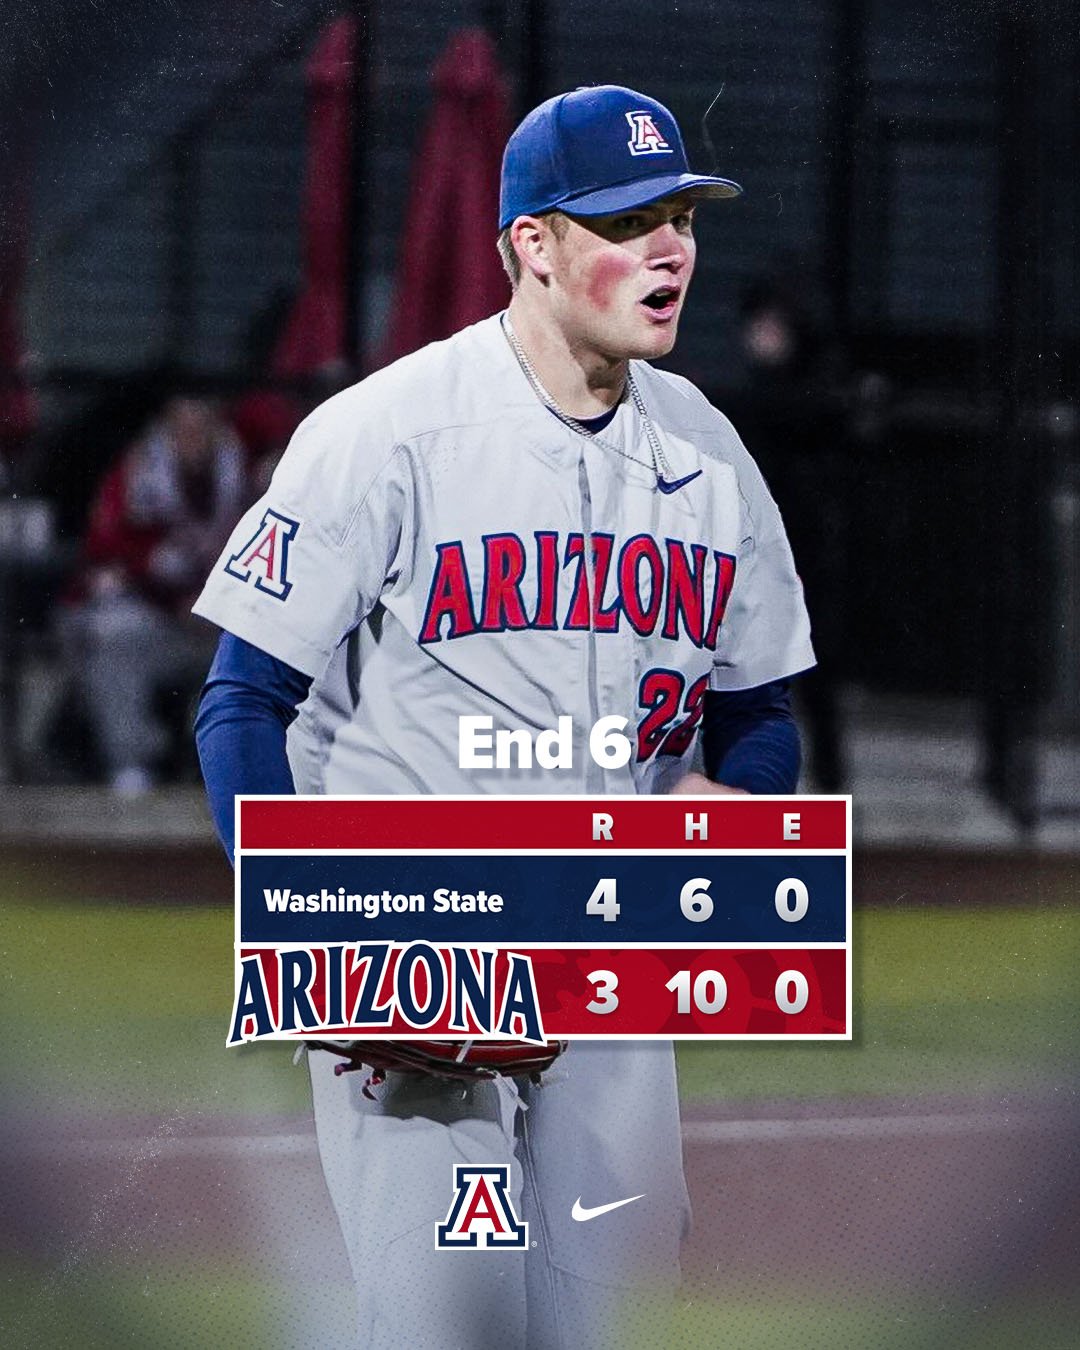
530, 237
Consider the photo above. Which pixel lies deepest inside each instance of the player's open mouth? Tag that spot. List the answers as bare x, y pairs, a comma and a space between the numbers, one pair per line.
662, 302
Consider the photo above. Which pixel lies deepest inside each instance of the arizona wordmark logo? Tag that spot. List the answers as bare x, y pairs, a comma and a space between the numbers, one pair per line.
264, 559
481, 1213
645, 137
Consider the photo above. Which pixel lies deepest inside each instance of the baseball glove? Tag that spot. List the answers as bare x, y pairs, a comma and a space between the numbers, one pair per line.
458, 1060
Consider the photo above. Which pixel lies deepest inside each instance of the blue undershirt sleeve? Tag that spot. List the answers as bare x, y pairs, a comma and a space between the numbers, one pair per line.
750, 739
248, 701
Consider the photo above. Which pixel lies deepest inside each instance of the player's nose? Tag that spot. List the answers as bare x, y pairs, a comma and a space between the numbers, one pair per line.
669, 248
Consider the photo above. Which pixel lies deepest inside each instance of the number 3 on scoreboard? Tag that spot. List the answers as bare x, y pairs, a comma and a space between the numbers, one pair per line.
606, 982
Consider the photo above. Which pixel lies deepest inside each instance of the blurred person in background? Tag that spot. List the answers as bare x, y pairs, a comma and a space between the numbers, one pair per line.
158, 522
792, 414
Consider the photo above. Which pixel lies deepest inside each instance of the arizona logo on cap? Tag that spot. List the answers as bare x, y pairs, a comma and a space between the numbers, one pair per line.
645, 138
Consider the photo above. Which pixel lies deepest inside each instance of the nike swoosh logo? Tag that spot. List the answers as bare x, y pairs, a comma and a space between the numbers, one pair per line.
583, 1215
665, 486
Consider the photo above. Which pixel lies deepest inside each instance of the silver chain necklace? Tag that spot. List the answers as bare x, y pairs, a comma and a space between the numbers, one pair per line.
659, 466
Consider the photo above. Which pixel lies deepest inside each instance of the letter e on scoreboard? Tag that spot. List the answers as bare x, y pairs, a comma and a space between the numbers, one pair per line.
792, 825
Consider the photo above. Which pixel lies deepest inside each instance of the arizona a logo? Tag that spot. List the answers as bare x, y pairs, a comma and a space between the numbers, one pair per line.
645, 136
264, 559
481, 1213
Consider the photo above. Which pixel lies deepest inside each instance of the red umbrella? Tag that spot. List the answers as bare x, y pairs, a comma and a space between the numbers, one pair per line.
314, 338
449, 273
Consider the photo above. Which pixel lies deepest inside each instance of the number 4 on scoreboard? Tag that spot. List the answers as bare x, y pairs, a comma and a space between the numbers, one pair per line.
603, 902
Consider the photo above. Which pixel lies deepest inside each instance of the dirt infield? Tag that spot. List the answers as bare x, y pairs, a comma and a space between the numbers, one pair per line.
928, 1196
196, 874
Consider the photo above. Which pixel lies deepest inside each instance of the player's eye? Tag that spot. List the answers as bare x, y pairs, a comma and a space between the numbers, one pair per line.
630, 224
684, 221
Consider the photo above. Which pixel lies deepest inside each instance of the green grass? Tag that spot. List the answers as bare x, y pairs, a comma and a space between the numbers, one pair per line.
126, 1008
777, 1319
145, 1303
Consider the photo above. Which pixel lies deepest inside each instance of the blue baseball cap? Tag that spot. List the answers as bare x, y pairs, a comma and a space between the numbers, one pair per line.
595, 151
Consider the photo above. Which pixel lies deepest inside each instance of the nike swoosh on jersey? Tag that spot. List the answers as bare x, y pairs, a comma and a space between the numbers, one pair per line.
665, 486
583, 1215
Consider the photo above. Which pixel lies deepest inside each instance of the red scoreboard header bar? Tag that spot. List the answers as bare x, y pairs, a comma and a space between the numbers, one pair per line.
558, 823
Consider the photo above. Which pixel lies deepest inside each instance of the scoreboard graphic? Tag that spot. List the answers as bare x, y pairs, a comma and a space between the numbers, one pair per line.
708, 917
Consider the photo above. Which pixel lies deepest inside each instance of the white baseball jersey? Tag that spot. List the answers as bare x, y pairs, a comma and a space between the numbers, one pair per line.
435, 543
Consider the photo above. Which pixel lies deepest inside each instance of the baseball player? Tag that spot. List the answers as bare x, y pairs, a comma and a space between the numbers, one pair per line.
525, 521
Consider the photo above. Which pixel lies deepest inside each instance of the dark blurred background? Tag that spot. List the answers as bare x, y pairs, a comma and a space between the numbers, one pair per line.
212, 199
